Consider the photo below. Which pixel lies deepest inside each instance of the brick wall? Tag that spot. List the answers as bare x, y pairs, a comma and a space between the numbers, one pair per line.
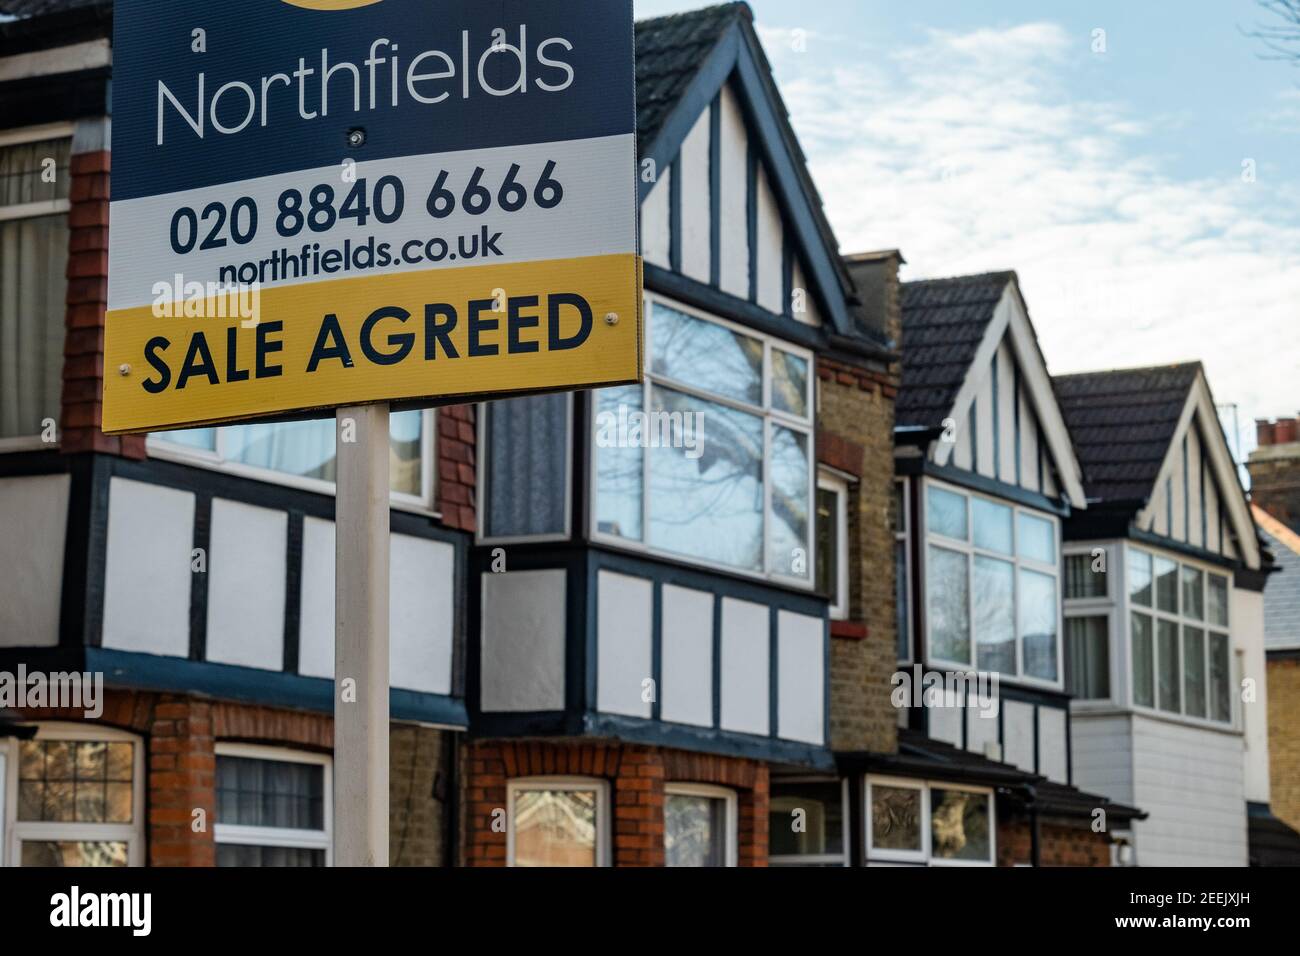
856, 435
1059, 843
636, 775
1284, 738
456, 461
180, 733
83, 349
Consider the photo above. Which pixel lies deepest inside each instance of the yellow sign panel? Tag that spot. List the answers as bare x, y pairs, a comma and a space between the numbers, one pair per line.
406, 336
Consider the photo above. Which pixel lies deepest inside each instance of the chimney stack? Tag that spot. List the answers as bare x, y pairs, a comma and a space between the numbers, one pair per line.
1275, 470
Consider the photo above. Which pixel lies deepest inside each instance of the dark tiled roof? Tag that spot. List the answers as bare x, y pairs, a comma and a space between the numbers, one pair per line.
1122, 422
943, 324
1282, 595
1272, 842
669, 50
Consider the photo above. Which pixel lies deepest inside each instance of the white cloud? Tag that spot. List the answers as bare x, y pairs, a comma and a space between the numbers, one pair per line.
969, 153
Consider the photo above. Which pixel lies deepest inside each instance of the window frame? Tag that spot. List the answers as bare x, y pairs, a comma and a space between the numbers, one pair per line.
15, 831
159, 447
829, 481
712, 792
903, 533
817, 859
924, 856
235, 834
603, 849
1153, 613
36, 210
770, 417
970, 551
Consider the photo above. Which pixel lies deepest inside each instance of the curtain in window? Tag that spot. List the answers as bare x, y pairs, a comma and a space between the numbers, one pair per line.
33, 292
1087, 653
527, 464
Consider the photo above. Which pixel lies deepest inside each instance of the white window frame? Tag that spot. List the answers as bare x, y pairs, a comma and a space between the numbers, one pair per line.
828, 481
814, 859
770, 416
1233, 723
481, 477
903, 533
243, 835
969, 549
33, 210
923, 856
592, 784
731, 818
132, 834
159, 447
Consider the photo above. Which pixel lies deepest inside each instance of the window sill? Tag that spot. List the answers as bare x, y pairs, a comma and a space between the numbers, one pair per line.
849, 630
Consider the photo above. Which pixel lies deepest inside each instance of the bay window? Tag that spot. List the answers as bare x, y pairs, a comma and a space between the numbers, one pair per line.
303, 453
557, 821
712, 457
1179, 641
34, 190
992, 585
274, 807
77, 796
699, 825
929, 823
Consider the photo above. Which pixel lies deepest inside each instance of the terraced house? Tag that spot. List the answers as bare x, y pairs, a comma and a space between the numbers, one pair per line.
1165, 577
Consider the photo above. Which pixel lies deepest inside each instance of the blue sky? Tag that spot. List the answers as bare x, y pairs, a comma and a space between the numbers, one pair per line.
979, 136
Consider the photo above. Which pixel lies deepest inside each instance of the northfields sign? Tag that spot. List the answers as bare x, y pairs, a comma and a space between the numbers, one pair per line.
332, 202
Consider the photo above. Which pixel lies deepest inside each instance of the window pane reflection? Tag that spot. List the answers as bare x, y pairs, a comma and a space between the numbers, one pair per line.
895, 818
959, 825
710, 507
619, 468
790, 476
995, 624
695, 831
555, 828
948, 601
705, 355
789, 383
1038, 623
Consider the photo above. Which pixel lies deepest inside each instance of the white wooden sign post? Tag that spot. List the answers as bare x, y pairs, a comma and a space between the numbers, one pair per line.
361, 638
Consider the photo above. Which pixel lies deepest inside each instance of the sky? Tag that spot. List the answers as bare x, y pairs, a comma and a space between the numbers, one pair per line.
1138, 165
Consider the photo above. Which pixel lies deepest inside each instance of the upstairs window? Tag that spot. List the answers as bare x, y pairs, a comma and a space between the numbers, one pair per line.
303, 453
992, 594
711, 458
34, 189
1179, 637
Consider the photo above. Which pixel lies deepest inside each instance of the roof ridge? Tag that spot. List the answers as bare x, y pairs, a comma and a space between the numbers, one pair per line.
970, 277
1190, 363
735, 6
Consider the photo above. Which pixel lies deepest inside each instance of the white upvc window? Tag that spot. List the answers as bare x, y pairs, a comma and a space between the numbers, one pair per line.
274, 807
992, 585
902, 523
557, 821
700, 825
1180, 648
808, 822
74, 796
833, 542
35, 180
929, 822
1091, 669
302, 454
737, 491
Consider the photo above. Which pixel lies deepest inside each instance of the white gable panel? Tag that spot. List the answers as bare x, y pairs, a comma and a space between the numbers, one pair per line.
1006, 414
1213, 527
1195, 479
624, 643
1049, 475
802, 294
800, 680
961, 454
246, 581
1178, 492
984, 445
686, 696
656, 221
696, 234
733, 206
746, 642
771, 241
1160, 510
1028, 445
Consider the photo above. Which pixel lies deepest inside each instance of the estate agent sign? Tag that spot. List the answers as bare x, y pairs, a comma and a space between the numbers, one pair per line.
333, 202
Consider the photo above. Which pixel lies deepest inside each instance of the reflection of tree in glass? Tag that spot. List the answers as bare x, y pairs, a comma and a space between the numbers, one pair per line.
706, 356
